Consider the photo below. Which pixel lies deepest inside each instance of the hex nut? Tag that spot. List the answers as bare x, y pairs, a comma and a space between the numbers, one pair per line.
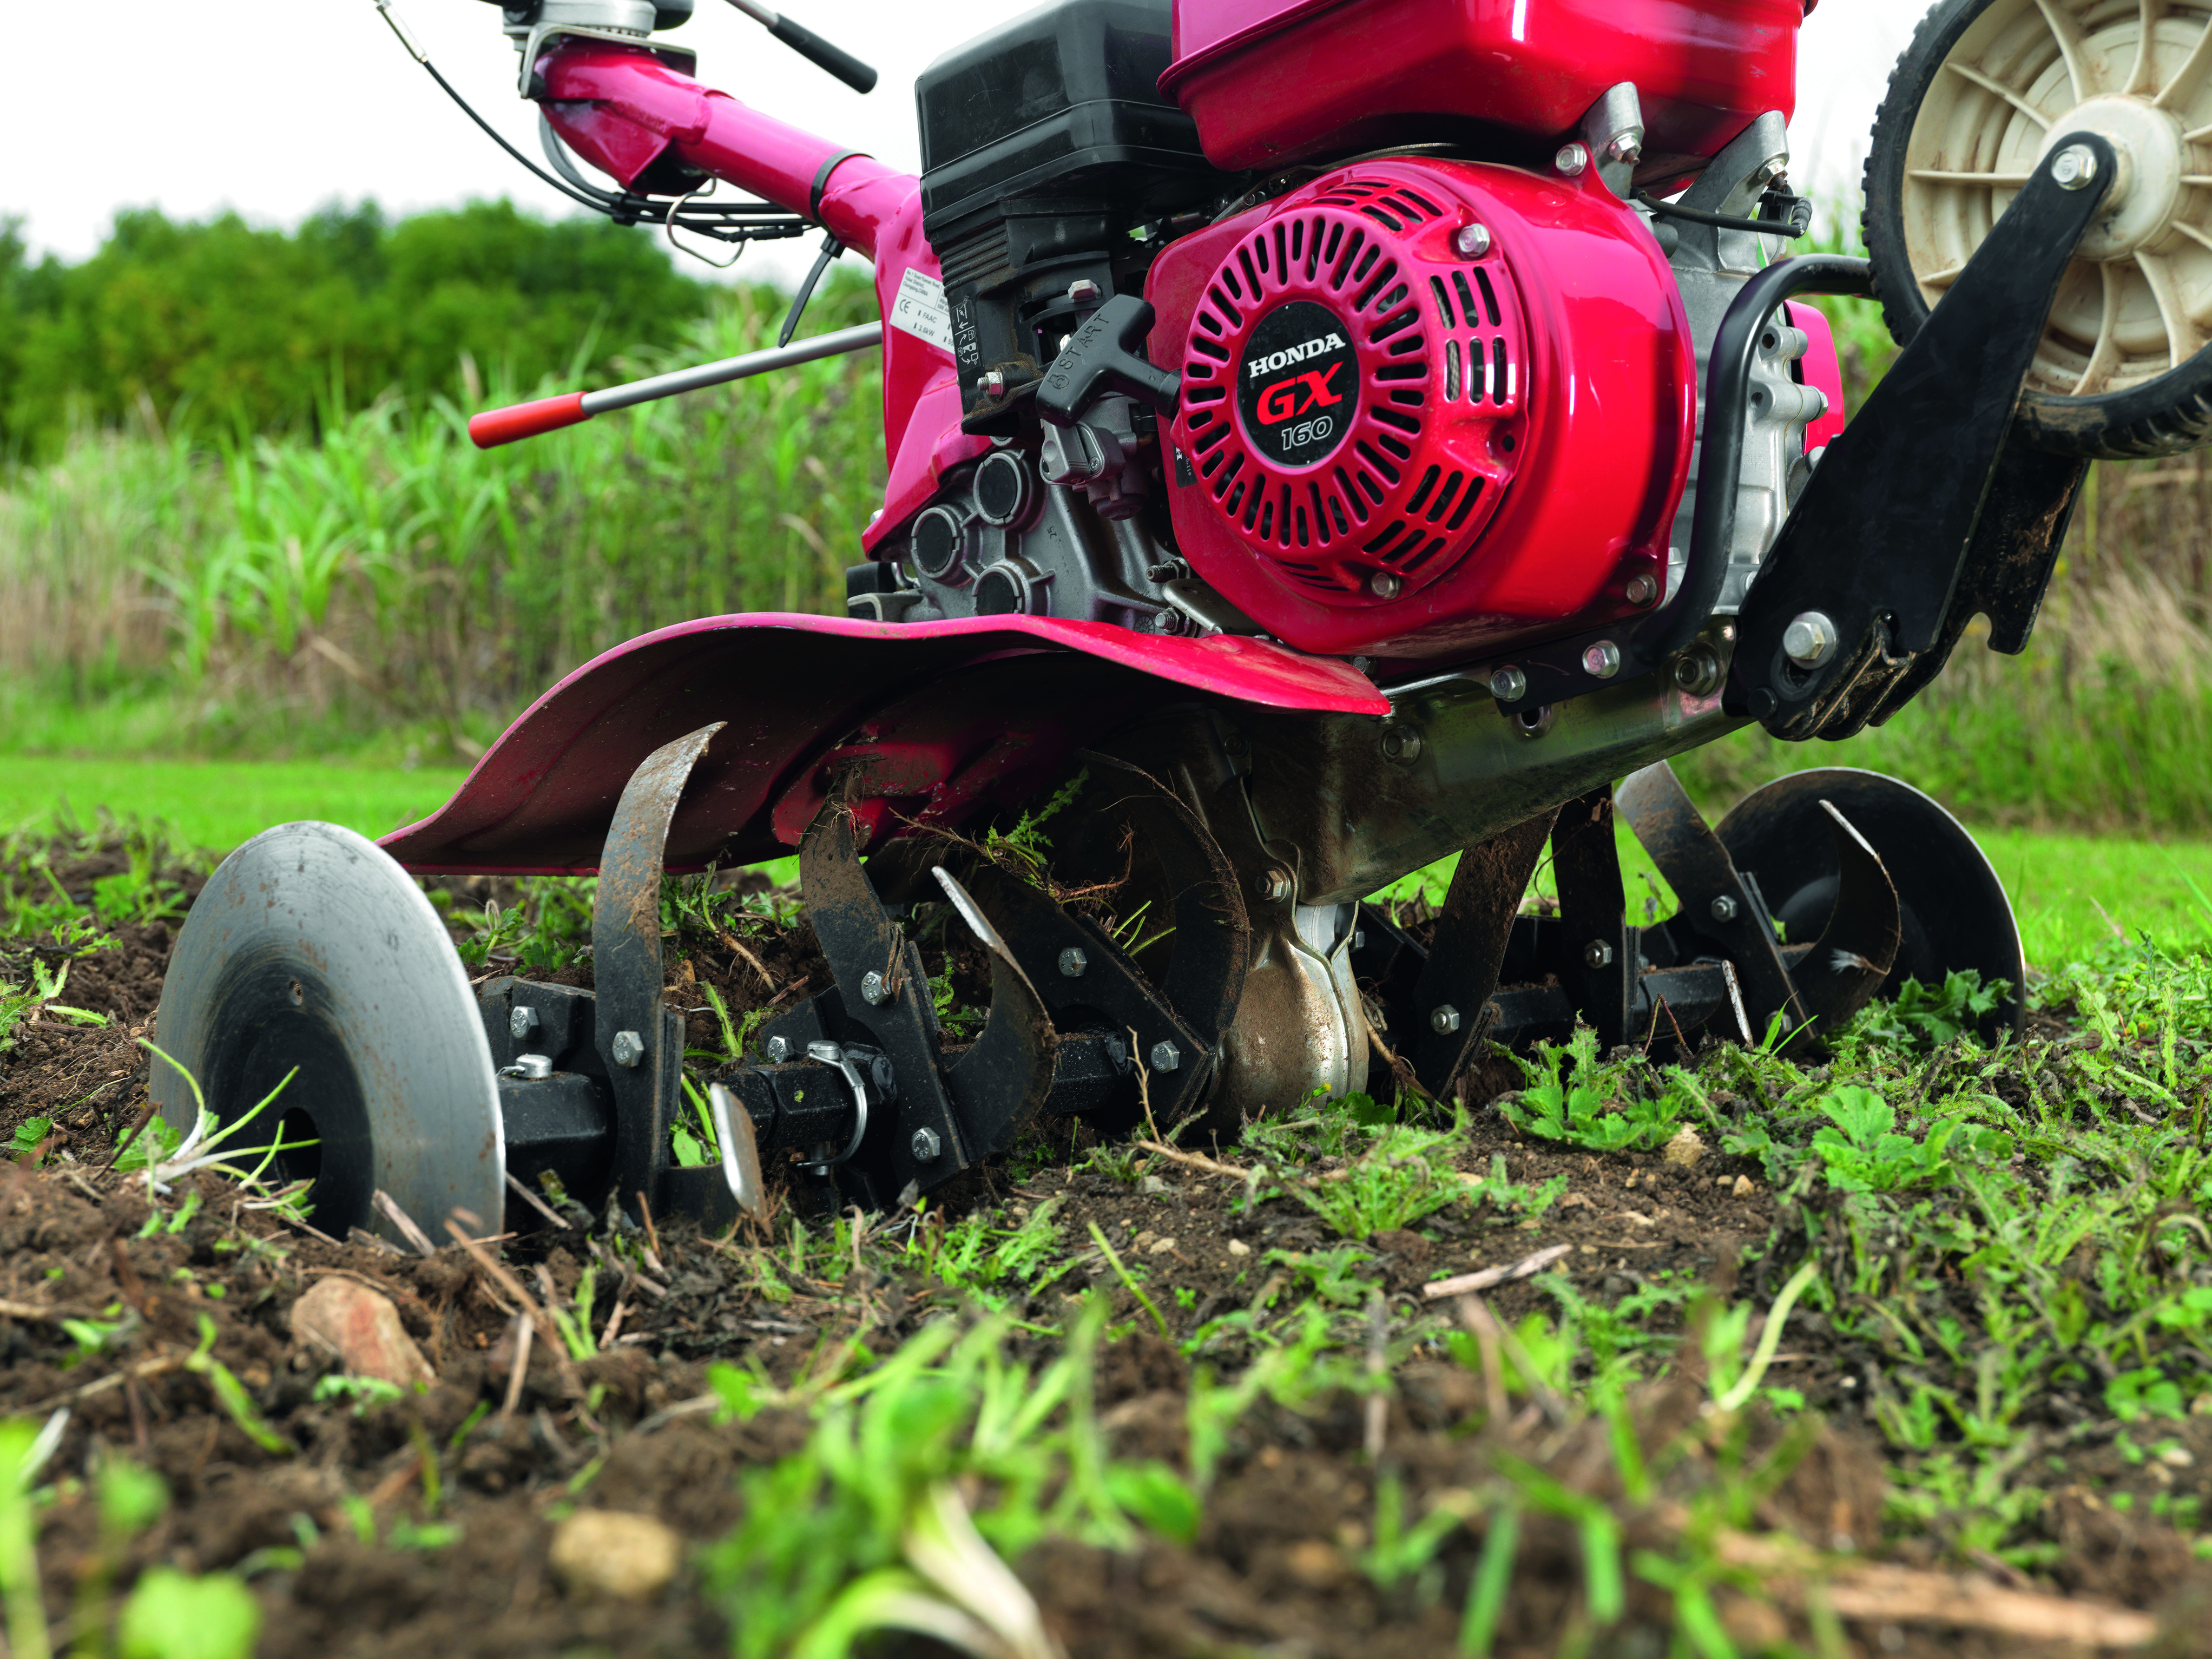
1624, 147
1471, 241
1165, 1057
1724, 909
926, 1145
2074, 167
1641, 590
1573, 159
1274, 885
1698, 670
520, 1023
1508, 684
873, 991
1386, 584
627, 1050
1601, 661
1401, 743
992, 383
1072, 962
1597, 954
1444, 1019
1083, 291
779, 1050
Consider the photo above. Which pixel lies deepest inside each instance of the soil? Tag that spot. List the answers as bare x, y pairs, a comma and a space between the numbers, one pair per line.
1273, 1568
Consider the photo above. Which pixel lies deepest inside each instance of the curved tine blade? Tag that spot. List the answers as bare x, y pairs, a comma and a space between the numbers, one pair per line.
1856, 951
741, 1164
980, 925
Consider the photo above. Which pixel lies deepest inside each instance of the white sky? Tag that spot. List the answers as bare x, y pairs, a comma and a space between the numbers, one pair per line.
274, 107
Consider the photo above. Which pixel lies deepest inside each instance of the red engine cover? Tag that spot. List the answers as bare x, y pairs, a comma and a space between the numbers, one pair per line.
1389, 447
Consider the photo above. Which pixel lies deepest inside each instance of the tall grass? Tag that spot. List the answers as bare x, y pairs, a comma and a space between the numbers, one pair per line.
287, 592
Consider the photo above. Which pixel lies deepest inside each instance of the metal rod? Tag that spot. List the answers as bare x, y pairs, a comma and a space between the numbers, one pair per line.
734, 368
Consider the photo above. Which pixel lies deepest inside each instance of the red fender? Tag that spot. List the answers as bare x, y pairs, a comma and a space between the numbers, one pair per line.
943, 718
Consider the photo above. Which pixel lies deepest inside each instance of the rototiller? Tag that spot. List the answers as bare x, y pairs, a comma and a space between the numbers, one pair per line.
1344, 433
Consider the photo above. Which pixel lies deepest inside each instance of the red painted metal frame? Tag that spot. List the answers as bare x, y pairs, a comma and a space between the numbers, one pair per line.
946, 719
619, 108
1822, 369
1602, 440
1273, 81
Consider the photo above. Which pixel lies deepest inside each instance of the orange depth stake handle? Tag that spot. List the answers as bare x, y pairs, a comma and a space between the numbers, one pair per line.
495, 427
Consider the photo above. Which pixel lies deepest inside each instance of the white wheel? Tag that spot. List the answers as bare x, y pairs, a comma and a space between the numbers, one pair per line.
1987, 88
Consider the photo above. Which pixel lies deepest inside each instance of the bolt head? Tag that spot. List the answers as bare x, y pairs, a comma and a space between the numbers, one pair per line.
1072, 962
1597, 954
873, 991
1641, 590
779, 1050
1724, 909
1601, 661
1624, 147
1085, 292
1810, 639
520, 1023
2074, 167
1273, 885
1165, 1057
1573, 159
1386, 584
992, 384
1471, 241
1698, 670
1444, 1019
926, 1145
1401, 743
627, 1050
1508, 684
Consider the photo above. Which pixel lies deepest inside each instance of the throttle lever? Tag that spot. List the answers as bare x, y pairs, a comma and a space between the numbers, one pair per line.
811, 46
1103, 357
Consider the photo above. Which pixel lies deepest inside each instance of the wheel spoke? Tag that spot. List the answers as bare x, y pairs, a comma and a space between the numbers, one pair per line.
2193, 233
2105, 356
1999, 180
1989, 83
2073, 47
1942, 278
2186, 79
2139, 73
2183, 337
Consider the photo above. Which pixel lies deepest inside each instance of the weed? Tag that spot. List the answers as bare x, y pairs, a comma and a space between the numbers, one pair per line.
1600, 1107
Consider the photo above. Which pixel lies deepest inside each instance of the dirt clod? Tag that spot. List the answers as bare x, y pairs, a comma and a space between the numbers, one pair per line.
609, 1552
363, 1329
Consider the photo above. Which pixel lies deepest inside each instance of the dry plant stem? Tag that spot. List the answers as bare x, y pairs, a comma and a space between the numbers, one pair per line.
145, 1367
522, 1298
520, 1368
405, 1222
52, 1316
1378, 1369
1401, 1072
1477, 1319
651, 1236
1194, 1160
137, 1128
1483, 1277
751, 961
1477, 1315
536, 1204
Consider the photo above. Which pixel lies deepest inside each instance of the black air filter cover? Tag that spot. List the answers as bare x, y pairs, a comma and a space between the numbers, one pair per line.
1062, 101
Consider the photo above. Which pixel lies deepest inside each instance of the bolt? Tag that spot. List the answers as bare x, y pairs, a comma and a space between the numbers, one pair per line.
1072, 962
779, 1050
1166, 1057
1571, 159
1359, 939
1508, 684
1724, 909
873, 991
992, 384
1471, 241
628, 1049
1085, 292
1625, 148
1273, 885
1385, 585
2074, 167
926, 1145
1641, 590
1444, 1019
1698, 670
1401, 743
520, 1023
1810, 639
1601, 661
1597, 954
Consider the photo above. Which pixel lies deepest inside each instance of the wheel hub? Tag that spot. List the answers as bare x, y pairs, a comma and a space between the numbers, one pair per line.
2139, 209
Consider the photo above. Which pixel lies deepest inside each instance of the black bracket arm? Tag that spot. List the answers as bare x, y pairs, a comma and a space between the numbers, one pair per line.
1860, 583
1104, 356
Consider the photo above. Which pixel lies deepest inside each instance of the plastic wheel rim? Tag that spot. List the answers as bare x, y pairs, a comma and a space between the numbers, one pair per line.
2134, 304
310, 947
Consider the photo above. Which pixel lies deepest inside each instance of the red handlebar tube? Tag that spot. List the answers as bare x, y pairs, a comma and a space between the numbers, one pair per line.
495, 427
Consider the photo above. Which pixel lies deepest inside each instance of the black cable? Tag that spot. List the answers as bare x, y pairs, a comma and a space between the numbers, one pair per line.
831, 248
1790, 227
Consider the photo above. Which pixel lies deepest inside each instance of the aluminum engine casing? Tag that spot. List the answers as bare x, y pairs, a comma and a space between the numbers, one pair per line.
1345, 295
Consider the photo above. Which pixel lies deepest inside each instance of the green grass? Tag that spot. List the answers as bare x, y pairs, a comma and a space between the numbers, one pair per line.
218, 805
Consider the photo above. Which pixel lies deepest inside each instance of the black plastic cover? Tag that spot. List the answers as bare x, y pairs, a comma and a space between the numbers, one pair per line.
1062, 101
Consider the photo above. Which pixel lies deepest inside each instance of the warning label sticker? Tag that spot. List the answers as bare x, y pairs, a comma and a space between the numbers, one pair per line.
920, 309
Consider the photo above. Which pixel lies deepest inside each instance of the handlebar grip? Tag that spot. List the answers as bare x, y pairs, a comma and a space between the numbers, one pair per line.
812, 47
495, 427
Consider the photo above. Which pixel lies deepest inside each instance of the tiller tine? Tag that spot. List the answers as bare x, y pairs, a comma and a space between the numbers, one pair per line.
1839, 973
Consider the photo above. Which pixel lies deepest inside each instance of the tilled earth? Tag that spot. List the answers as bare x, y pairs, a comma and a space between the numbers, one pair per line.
429, 1522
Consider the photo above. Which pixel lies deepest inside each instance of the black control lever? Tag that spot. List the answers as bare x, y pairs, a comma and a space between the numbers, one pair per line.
811, 46
1103, 357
